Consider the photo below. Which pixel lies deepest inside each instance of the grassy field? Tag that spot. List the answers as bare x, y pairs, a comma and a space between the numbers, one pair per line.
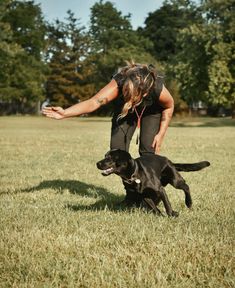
60, 225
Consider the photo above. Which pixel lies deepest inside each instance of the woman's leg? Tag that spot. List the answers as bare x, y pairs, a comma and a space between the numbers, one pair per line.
150, 125
122, 132
121, 135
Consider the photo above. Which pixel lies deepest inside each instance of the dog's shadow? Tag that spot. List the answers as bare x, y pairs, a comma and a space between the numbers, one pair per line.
107, 200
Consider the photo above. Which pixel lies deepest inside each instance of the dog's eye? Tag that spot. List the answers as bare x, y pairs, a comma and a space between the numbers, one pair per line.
108, 157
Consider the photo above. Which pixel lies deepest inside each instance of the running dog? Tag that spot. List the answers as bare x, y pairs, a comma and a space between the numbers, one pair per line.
145, 178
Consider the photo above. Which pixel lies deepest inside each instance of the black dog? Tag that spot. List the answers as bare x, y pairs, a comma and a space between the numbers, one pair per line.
145, 178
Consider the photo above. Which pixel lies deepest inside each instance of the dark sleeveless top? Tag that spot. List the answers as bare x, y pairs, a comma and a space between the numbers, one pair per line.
150, 100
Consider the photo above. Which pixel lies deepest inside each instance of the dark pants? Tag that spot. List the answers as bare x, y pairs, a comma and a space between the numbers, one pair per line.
123, 130
121, 135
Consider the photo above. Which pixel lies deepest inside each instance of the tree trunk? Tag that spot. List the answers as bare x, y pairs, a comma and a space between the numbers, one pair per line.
233, 111
38, 107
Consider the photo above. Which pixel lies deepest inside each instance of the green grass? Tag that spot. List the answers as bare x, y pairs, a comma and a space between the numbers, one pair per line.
60, 227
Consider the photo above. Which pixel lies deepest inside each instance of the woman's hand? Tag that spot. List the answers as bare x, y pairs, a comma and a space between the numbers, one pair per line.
157, 142
54, 112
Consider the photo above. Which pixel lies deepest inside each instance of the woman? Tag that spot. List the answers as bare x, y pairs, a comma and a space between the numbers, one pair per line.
141, 100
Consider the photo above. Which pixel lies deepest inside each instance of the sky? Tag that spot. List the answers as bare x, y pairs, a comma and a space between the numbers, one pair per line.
139, 9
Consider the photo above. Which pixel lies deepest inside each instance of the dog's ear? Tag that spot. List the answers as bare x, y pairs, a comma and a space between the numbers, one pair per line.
111, 151
132, 162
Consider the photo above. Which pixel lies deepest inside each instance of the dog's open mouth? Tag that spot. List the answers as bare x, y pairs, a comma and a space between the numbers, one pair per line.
108, 171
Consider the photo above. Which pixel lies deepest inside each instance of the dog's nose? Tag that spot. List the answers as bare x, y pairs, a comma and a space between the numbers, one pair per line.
98, 165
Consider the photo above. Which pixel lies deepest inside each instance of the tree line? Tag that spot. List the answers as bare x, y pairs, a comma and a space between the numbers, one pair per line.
191, 43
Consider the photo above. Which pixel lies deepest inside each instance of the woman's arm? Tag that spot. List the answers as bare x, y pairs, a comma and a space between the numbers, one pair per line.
167, 103
104, 96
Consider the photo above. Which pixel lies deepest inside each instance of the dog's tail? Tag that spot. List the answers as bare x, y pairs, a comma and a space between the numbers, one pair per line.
191, 167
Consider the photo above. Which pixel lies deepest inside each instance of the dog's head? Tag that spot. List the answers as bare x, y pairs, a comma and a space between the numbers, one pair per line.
116, 161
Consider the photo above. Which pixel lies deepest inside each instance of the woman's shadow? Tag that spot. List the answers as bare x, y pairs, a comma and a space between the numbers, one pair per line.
106, 200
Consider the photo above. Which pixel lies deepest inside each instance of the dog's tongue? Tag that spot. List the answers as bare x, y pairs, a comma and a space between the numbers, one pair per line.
107, 171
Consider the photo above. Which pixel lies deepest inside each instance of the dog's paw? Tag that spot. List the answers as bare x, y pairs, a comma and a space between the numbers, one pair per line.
188, 202
174, 214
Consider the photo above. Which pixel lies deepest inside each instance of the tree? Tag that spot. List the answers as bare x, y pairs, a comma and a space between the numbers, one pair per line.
109, 29
190, 64
205, 66
221, 48
21, 75
68, 46
27, 25
114, 41
23, 83
162, 28
163, 25
8, 50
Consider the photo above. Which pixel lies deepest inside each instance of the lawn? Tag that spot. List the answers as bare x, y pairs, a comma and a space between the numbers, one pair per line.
61, 227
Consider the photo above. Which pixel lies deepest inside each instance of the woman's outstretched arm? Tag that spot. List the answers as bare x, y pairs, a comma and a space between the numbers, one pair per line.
104, 96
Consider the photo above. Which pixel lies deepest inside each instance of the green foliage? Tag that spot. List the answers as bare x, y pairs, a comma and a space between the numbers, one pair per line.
163, 25
205, 67
27, 25
22, 80
8, 49
7, 45
221, 78
190, 64
66, 53
22, 72
109, 29
114, 41
193, 43
180, 106
221, 48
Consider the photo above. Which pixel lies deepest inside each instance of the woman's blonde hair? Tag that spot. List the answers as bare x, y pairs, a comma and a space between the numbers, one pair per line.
139, 79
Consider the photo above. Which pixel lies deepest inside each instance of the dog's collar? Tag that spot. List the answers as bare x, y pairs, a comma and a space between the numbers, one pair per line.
131, 180
133, 177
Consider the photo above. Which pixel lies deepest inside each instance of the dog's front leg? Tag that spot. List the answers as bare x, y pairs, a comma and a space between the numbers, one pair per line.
132, 196
149, 204
167, 204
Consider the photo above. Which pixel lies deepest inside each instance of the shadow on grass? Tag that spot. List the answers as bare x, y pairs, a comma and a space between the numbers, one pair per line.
108, 200
100, 205
203, 122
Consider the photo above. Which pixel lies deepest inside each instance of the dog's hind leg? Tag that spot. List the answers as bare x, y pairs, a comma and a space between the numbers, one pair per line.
188, 198
173, 177
167, 204
181, 184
